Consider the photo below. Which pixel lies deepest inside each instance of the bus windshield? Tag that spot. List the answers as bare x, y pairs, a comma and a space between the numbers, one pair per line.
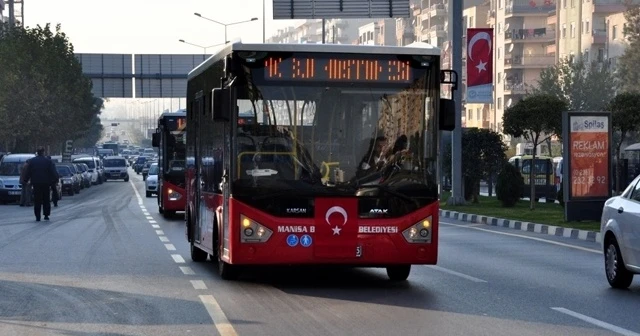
338, 139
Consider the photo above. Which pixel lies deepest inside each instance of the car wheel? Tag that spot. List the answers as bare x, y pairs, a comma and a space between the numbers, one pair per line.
617, 274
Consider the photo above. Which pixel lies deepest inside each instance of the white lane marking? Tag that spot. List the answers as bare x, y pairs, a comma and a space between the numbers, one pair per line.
526, 237
601, 324
152, 221
160, 232
178, 258
140, 202
224, 327
143, 208
155, 226
149, 217
146, 213
198, 284
186, 270
170, 247
458, 274
164, 239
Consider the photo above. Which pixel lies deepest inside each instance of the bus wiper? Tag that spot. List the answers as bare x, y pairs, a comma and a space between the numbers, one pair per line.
390, 191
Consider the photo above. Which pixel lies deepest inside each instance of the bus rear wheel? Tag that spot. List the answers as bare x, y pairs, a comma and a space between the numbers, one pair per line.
398, 272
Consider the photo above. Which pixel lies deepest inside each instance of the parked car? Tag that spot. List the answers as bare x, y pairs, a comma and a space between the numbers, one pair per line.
151, 182
10, 166
93, 163
69, 179
620, 232
86, 176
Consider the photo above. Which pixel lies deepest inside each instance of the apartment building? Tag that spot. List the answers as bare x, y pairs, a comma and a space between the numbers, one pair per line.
381, 32
2, 19
523, 33
582, 27
616, 42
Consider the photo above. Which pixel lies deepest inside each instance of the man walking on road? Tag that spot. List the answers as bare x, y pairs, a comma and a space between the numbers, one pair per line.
41, 172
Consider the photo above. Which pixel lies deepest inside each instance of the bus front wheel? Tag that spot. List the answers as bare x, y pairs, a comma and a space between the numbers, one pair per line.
398, 272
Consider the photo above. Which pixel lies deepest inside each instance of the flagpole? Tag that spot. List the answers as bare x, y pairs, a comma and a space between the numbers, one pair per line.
455, 24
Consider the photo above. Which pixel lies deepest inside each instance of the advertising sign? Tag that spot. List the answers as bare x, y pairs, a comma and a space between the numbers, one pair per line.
480, 65
589, 161
586, 164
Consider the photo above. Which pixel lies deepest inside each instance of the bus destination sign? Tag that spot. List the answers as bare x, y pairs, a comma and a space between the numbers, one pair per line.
337, 69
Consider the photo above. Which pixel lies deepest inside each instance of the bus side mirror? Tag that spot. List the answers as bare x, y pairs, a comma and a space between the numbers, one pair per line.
447, 114
155, 140
220, 105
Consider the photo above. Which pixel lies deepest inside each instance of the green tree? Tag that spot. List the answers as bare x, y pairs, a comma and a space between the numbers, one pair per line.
45, 98
536, 118
625, 115
582, 86
627, 66
483, 153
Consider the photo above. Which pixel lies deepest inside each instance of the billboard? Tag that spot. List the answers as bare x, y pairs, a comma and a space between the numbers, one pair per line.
587, 164
340, 9
479, 65
589, 160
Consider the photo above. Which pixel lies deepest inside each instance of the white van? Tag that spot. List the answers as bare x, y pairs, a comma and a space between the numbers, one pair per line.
94, 164
10, 167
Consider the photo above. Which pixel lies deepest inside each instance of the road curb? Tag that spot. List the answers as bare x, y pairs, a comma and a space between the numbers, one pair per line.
550, 230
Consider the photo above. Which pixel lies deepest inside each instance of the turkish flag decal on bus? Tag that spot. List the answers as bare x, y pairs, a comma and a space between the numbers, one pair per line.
336, 227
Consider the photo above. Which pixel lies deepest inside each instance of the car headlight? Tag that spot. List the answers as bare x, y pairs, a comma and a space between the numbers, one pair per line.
419, 232
67, 181
252, 231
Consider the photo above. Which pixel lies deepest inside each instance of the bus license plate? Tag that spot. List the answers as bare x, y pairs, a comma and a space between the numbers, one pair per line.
358, 251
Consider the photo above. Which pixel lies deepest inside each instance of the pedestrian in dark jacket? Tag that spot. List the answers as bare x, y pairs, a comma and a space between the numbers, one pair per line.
40, 173
54, 184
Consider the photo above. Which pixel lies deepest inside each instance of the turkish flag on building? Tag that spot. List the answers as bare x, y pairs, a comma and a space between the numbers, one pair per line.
479, 65
336, 233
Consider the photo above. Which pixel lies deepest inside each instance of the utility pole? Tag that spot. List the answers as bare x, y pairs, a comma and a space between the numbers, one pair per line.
455, 27
12, 14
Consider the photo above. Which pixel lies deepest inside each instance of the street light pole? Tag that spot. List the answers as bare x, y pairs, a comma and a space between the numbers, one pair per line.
457, 184
225, 25
199, 46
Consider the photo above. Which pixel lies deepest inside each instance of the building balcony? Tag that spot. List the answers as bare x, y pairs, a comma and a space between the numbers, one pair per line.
551, 49
552, 19
609, 6
517, 88
437, 10
530, 35
533, 61
437, 31
528, 10
599, 36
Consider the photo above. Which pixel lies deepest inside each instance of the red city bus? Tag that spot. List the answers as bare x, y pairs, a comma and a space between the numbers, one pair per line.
170, 140
315, 154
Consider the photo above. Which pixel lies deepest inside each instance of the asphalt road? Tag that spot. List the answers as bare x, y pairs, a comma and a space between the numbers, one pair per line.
102, 266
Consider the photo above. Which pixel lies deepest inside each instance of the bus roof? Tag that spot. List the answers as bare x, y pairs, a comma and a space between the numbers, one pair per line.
416, 48
180, 113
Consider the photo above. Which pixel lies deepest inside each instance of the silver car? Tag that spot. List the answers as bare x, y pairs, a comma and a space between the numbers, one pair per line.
620, 232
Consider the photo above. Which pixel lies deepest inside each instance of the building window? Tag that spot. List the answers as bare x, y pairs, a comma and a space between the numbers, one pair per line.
564, 30
586, 31
573, 29
601, 55
470, 114
478, 113
499, 53
614, 32
499, 103
499, 77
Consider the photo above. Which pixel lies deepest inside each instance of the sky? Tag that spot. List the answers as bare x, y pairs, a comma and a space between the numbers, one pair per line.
152, 26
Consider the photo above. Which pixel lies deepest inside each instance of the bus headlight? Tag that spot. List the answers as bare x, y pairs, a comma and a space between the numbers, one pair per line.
252, 231
419, 232
173, 195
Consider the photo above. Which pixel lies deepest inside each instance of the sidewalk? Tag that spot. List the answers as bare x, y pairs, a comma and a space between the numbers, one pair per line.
551, 230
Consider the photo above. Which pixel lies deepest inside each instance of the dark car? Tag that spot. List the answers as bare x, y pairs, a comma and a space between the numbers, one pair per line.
140, 161
69, 181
